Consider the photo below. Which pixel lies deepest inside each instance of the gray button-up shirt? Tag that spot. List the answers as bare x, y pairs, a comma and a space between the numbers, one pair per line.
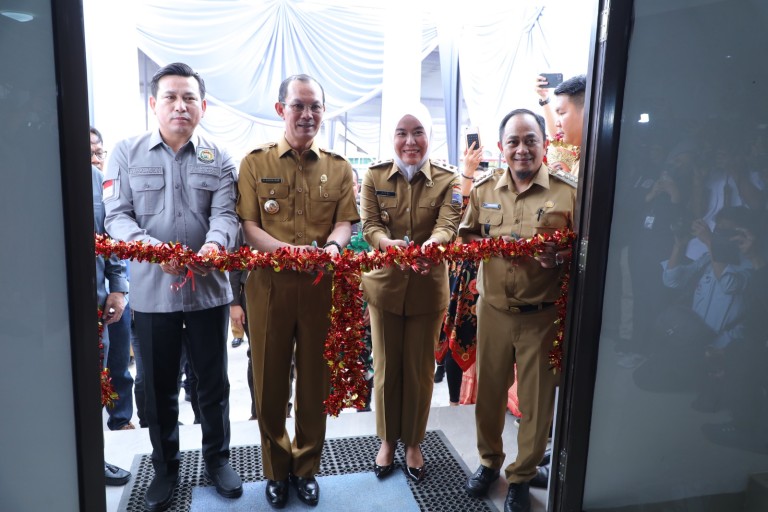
156, 196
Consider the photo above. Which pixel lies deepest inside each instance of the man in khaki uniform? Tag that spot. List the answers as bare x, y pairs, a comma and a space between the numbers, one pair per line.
407, 306
516, 312
293, 193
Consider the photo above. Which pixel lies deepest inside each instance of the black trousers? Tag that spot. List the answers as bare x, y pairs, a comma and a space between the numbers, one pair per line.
161, 341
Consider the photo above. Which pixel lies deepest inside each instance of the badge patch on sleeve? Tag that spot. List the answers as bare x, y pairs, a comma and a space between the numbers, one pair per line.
111, 189
456, 195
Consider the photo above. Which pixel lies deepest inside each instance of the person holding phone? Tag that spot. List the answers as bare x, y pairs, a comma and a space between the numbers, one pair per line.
407, 200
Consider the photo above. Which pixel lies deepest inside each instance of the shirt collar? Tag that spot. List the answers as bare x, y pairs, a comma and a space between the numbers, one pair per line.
426, 170
155, 139
283, 147
541, 178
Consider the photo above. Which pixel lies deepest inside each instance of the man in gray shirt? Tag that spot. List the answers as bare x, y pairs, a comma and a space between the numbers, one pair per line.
170, 185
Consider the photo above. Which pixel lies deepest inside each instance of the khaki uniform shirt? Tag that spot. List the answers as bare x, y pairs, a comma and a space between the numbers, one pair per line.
296, 198
496, 209
427, 207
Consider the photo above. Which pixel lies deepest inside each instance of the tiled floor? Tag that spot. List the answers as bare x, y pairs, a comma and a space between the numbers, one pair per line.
457, 423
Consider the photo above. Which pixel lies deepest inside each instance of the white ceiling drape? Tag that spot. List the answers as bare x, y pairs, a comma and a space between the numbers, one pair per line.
245, 48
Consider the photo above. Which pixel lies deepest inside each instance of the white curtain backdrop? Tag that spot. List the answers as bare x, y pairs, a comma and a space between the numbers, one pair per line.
244, 48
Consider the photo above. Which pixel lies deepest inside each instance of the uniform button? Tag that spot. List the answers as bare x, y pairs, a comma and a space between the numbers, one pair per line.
177, 186
272, 192
325, 195
517, 221
432, 203
301, 168
299, 212
178, 214
146, 185
205, 184
299, 235
299, 190
487, 220
407, 209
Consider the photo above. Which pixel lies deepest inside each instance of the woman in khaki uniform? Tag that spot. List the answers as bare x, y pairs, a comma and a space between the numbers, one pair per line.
410, 199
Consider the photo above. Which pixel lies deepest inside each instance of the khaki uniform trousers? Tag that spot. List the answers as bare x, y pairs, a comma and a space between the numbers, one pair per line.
403, 372
283, 306
503, 339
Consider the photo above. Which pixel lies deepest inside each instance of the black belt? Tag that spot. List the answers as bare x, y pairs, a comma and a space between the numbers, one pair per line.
530, 307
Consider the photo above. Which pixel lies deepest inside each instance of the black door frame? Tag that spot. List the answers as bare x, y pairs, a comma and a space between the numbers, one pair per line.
603, 105
76, 187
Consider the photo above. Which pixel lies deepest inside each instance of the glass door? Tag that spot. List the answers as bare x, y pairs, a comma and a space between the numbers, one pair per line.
666, 406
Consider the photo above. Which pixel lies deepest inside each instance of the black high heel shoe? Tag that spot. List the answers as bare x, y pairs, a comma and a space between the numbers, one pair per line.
382, 471
415, 474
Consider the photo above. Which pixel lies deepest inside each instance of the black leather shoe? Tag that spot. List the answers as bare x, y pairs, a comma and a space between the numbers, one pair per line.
160, 492
277, 493
478, 484
309, 491
439, 373
113, 475
415, 474
228, 483
518, 498
236, 342
382, 471
541, 480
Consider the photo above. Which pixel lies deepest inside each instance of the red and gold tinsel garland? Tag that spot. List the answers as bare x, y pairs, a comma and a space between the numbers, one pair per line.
344, 341
108, 394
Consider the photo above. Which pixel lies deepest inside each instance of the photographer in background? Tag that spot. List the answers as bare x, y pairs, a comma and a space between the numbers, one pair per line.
721, 276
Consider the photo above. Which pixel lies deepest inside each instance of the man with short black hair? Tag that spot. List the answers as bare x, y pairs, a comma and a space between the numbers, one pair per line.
516, 313
170, 185
569, 109
293, 193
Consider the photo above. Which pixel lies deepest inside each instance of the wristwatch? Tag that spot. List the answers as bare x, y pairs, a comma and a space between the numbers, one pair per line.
543, 102
332, 242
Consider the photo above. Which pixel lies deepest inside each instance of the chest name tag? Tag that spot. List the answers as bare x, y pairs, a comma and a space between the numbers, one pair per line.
492, 206
135, 171
386, 193
271, 180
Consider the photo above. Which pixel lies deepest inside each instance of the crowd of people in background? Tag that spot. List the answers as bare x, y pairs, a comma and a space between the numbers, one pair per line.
694, 241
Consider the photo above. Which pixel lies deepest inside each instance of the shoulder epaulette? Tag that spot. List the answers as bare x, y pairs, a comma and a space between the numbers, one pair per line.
565, 177
263, 147
484, 178
444, 166
381, 163
333, 153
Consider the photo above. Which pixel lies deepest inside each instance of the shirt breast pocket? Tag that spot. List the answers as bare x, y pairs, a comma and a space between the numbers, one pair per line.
202, 185
491, 223
550, 222
148, 193
323, 205
275, 201
432, 203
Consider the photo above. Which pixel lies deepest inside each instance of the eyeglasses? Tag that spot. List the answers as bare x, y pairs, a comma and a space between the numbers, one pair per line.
101, 155
299, 108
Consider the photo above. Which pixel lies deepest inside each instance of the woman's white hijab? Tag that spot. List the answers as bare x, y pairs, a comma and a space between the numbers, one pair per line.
420, 112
